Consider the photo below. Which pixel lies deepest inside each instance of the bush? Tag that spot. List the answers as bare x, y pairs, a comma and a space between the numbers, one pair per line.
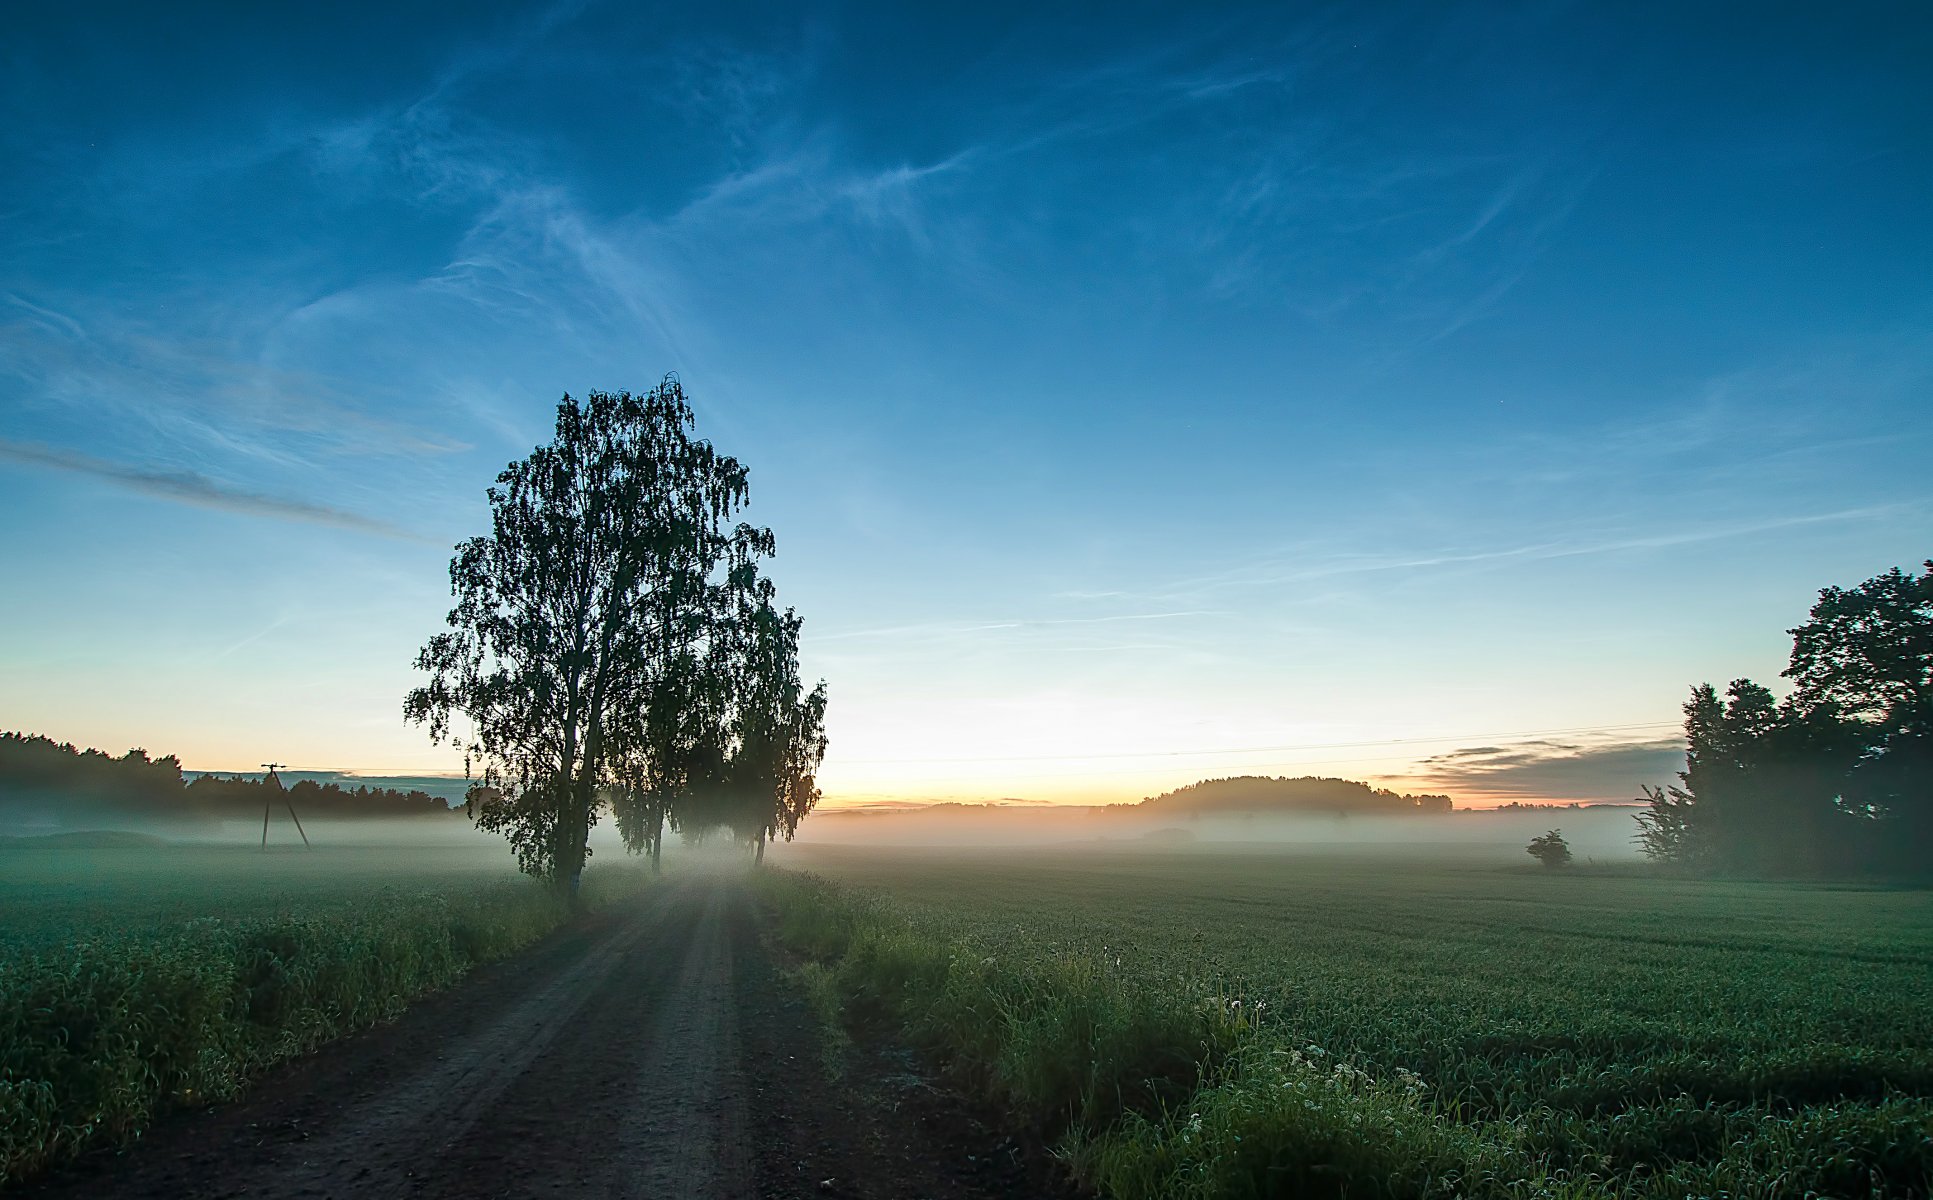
1550, 849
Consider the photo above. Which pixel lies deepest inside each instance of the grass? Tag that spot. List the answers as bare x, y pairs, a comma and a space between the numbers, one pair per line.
1243, 1024
134, 980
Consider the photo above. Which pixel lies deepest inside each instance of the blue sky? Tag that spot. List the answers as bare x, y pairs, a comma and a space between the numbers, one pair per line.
1137, 394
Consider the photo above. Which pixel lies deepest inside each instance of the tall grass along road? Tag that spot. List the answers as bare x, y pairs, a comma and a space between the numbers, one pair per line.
651, 1050
1220, 1024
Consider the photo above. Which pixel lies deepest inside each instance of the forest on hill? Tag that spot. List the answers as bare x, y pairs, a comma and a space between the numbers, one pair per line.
48, 783
1268, 794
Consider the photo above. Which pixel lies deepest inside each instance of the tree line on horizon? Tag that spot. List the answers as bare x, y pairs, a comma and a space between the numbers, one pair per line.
42, 780
616, 645
1281, 794
1835, 779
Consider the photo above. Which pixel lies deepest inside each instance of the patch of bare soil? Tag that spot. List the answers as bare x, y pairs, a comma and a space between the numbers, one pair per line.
654, 1050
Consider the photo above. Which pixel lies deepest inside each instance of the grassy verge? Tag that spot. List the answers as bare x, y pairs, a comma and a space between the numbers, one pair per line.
1159, 1086
821, 986
97, 1036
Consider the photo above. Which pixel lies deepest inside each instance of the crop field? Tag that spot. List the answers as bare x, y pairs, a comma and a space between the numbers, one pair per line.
56, 896
136, 979
1220, 1023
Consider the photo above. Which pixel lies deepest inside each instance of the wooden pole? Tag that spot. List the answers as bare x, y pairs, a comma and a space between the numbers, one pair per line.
297, 820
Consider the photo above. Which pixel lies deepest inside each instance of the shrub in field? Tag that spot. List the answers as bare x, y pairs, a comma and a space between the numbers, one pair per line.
99, 1035
1550, 849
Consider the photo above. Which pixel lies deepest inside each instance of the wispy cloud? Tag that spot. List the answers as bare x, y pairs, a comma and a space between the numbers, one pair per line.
208, 390
1548, 770
1313, 563
189, 487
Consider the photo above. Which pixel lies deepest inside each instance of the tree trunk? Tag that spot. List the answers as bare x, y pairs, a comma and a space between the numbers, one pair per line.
758, 856
573, 834
657, 835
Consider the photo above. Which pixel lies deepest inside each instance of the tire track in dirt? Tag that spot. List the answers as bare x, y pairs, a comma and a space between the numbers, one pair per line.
641, 1096
652, 1050
686, 1124
379, 1148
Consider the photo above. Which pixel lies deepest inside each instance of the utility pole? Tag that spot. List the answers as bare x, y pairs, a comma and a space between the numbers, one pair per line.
268, 803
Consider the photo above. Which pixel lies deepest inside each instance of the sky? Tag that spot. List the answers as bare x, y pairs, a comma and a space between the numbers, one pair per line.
1427, 394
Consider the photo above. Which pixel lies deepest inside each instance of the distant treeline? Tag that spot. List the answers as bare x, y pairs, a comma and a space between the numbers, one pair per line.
1309, 794
1834, 779
44, 781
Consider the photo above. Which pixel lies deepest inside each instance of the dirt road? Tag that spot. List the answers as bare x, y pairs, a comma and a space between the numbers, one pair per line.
650, 1051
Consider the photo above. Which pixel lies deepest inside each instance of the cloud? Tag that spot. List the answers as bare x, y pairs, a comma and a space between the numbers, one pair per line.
1547, 770
205, 390
188, 487
1316, 562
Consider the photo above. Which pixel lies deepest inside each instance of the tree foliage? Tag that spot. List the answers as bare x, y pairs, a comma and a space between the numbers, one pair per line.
1550, 848
1837, 777
1868, 650
583, 661
44, 782
778, 728
1308, 794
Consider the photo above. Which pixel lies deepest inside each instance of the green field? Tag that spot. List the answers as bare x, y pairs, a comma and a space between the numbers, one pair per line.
50, 896
1228, 1024
137, 979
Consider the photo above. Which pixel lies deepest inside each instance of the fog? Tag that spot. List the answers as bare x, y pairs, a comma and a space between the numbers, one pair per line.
453, 832
333, 841
1604, 833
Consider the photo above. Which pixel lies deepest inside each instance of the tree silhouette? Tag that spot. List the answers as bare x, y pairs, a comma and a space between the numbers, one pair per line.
1869, 649
1836, 777
1867, 653
1309, 794
778, 727
613, 641
1668, 828
1550, 848
600, 542
44, 781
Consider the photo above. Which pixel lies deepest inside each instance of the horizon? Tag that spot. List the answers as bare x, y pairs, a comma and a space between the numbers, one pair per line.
446, 787
450, 787
1416, 397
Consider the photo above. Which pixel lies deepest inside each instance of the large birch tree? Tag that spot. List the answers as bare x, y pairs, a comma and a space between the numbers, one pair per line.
575, 664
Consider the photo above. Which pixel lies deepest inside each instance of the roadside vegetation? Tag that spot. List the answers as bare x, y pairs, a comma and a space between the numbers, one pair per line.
1225, 1024
135, 981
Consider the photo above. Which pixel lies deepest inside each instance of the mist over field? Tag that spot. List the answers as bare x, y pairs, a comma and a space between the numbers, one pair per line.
1601, 832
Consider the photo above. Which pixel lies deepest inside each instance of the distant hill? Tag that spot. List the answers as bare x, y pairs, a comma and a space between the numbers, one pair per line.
44, 783
1264, 794
1241, 795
